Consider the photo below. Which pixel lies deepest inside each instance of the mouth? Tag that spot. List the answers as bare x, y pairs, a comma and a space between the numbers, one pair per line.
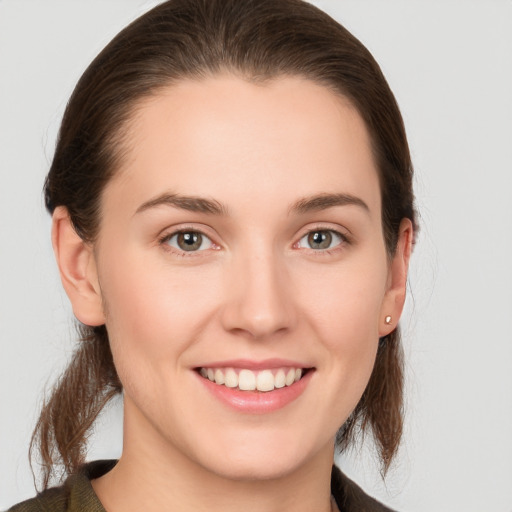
244, 379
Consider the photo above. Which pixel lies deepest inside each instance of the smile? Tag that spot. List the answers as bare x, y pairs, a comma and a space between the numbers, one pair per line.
248, 380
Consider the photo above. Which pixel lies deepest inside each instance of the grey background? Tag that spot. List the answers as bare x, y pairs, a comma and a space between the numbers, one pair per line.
450, 65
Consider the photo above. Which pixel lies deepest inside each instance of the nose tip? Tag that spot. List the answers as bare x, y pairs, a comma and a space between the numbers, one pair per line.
259, 304
260, 323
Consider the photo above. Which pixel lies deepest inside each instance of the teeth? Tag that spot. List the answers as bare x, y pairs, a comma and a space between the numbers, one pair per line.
247, 380
265, 381
231, 378
219, 377
290, 377
280, 379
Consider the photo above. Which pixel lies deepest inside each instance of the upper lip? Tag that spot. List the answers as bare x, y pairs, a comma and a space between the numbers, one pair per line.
265, 364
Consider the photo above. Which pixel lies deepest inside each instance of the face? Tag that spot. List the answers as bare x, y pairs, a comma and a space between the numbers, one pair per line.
241, 246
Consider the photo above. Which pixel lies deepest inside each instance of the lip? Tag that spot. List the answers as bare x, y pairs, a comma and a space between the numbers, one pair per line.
257, 402
266, 364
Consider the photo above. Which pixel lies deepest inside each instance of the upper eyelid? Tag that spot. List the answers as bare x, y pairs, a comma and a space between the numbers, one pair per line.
165, 237
344, 238
314, 230
168, 232
321, 226
173, 230
171, 234
347, 239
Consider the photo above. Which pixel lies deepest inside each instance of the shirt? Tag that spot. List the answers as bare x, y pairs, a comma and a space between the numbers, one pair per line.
77, 494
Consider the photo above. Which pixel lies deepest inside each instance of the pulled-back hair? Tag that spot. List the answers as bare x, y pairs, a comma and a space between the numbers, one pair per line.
258, 40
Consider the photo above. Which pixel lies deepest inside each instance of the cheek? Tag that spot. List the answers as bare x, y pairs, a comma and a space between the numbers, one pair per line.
153, 311
344, 308
345, 302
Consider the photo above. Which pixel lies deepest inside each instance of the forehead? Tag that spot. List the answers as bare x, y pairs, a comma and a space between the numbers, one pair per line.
277, 140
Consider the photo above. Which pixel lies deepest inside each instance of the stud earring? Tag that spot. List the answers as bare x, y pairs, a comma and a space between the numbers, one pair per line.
388, 320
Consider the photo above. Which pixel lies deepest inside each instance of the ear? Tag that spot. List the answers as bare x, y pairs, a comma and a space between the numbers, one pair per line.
77, 267
394, 298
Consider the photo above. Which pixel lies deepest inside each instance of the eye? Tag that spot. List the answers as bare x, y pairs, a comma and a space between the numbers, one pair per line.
188, 241
321, 239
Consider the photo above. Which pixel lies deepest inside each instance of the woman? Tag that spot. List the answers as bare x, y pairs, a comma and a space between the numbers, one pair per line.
232, 219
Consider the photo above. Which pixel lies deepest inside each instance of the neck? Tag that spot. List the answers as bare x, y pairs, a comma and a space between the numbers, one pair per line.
156, 469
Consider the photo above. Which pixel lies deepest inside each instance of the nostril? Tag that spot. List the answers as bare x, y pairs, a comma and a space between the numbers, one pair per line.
258, 304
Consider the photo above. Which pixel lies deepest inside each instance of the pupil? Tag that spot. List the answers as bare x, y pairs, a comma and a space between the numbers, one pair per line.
189, 241
320, 239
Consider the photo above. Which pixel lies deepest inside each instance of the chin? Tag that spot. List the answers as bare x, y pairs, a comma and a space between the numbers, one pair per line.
262, 457
263, 469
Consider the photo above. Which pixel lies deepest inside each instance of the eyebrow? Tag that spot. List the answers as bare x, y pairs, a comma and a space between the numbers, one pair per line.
324, 201
213, 207
189, 203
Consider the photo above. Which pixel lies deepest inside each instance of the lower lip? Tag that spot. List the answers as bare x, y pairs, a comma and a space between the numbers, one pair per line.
257, 402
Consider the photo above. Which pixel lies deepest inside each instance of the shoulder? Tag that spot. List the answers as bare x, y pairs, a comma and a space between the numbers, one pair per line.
75, 495
54, 500
350, 497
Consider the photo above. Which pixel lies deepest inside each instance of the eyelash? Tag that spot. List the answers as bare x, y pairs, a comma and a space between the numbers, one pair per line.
165, 239
343, 240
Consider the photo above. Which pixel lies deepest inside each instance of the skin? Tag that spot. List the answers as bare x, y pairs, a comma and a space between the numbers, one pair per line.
255, 290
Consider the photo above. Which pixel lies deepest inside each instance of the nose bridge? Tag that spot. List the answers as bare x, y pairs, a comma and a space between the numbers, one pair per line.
259, 294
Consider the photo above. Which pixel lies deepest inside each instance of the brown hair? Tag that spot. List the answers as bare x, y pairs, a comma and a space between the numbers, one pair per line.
258, 40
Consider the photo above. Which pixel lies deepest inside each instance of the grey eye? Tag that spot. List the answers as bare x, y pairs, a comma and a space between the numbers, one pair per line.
320, 239
189, 241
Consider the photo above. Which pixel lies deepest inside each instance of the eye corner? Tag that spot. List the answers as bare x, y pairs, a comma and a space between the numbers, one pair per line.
185, 241
322, 240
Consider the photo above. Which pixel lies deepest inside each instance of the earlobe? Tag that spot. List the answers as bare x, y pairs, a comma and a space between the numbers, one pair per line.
77, 267
394, 299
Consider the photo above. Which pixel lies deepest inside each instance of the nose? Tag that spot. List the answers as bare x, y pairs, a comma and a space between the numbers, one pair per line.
259, 297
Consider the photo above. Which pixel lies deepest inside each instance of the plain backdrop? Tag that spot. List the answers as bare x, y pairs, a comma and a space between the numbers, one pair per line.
450, 65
